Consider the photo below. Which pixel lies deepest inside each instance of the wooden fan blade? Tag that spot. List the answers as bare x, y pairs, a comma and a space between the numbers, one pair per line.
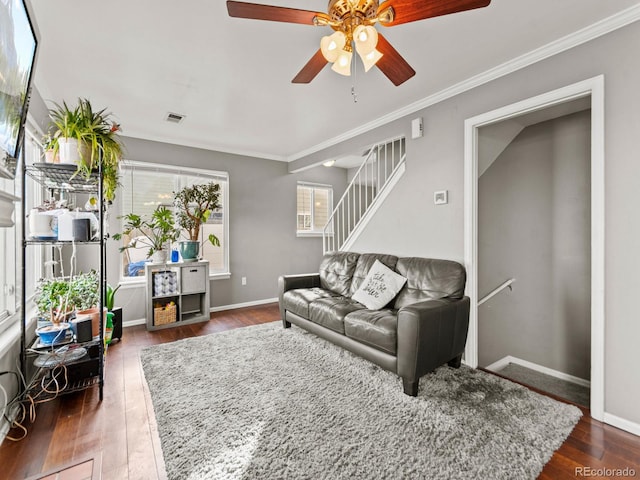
412, 10
392, 64
311, 69
270, 12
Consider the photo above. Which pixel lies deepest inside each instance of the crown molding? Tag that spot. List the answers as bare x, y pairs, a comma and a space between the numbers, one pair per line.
207, 146
593, 31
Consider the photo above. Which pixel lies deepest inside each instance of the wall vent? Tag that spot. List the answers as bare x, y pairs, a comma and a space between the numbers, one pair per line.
174, 117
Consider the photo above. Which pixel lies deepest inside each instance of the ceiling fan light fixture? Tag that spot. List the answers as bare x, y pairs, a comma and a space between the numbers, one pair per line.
343, 64
370, 59
366, 38
332, 45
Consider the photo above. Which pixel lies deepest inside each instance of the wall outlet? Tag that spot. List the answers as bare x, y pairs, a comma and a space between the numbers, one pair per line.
244, 280
441, 197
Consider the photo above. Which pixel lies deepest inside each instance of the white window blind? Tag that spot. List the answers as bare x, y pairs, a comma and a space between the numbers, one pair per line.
145, 187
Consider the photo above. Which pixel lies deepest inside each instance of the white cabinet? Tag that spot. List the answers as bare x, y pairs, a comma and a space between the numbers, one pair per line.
177, 294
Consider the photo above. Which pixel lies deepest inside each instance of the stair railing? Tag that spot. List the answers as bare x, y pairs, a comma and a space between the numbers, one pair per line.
379, 166
497, 290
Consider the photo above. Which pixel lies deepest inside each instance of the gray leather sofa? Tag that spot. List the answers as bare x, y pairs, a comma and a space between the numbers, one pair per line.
423, 327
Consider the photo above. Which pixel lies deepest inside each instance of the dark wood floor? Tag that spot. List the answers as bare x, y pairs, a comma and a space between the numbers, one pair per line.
121, 429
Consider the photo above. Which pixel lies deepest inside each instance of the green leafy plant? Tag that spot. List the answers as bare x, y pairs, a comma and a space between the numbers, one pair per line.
194, 205
57, 297
110, 297
96, 130
84, 292
157, 230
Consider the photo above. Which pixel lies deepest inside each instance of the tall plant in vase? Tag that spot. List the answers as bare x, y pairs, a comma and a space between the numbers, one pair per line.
194, 204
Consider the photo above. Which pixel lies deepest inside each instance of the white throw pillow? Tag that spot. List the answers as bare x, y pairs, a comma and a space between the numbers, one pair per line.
379, 287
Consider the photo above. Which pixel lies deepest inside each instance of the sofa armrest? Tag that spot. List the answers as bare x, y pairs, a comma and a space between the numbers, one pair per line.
305, 280
290, 282
431, 333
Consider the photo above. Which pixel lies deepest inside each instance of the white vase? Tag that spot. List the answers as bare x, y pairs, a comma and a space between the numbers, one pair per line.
72, 154
68, 150
159, 256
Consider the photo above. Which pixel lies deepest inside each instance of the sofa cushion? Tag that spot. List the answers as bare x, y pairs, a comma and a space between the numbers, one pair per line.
330, 312
429, 279
379, 287
298, 300
336, 271
365, 262
374, 328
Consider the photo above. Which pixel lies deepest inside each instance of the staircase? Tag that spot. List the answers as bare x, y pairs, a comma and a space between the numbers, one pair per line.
381, 169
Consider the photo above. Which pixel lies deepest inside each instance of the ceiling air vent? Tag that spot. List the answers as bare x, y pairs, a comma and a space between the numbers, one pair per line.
174, 117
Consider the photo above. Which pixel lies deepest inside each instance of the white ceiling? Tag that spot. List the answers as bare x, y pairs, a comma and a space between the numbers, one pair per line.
232, 77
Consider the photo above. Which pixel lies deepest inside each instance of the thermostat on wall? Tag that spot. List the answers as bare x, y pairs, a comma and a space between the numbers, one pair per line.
417, 128
441, 197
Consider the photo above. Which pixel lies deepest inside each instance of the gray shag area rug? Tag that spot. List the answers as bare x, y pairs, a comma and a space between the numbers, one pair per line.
263, 402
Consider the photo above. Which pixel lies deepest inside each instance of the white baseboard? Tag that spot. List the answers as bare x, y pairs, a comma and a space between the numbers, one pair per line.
622, 424
503, 362
243, 305
142, 321
131, 323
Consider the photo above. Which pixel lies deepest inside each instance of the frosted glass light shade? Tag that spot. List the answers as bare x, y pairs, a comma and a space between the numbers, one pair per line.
370, 59
366, 38
332, 45
343, 64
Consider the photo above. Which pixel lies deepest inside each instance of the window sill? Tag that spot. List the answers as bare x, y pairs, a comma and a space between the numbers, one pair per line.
142, 281
10, 336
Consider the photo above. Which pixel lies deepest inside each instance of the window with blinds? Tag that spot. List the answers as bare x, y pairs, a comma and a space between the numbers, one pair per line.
145, 187
314, 206
10, 247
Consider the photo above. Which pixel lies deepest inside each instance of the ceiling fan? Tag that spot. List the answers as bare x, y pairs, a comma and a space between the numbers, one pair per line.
353, 22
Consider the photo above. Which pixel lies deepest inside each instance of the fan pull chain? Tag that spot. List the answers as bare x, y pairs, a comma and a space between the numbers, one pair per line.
354, 76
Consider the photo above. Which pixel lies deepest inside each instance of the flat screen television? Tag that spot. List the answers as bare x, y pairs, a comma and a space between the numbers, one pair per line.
18, 48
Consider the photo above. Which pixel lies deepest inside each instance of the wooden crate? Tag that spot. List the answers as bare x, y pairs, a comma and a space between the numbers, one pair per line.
162, 316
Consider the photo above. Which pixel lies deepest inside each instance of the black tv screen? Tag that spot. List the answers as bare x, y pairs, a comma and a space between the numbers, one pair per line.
18, 45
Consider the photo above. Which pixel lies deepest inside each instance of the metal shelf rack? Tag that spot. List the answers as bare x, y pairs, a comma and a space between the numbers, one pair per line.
65, 178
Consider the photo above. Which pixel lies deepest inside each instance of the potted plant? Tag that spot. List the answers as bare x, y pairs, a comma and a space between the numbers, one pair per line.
155, 232
52, 299
117, 312
49, 147
88, 139
58, 298
85, 296
194, 205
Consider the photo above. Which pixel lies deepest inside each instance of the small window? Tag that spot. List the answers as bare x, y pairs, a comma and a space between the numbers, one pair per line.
315, 204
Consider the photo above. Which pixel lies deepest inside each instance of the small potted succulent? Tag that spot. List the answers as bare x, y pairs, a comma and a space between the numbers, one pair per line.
49, 147
156, 232
194, 205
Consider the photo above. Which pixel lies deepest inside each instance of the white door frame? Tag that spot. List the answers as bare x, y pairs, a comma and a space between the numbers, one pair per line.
593, 87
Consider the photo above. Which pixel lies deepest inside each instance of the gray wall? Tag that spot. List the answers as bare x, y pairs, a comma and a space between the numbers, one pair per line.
409, 223
262, 222
534, 225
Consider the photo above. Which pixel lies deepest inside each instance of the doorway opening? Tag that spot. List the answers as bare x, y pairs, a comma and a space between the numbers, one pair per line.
546, 106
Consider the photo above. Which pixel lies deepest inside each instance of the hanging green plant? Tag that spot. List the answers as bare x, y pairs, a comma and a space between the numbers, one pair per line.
97, 137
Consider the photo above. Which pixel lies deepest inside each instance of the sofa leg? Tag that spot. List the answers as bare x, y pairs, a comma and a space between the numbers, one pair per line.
455, 362
410, 386
286, 324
